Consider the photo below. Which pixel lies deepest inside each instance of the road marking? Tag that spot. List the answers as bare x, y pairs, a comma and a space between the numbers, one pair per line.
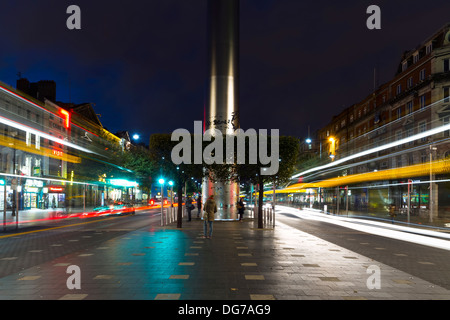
254, 277
29, 278
261, 297
168, 296
179, 276
73, 296
103, 276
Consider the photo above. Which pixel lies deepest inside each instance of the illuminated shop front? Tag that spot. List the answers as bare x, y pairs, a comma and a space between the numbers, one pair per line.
54, 197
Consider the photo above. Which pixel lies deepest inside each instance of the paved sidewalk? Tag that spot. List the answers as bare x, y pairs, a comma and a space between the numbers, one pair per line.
240, 262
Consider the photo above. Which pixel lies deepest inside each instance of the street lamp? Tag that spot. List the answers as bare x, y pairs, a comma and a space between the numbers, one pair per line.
161, 182
332, 140
136, 136
171, 193
308, 142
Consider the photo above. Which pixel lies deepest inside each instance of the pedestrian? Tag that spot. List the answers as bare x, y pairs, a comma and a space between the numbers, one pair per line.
199, 205
241, 209
208, 217
189, 207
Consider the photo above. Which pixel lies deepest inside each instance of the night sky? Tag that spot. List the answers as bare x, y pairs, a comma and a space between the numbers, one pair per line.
143, 63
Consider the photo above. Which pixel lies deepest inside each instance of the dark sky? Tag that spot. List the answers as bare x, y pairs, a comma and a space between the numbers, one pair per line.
143, 63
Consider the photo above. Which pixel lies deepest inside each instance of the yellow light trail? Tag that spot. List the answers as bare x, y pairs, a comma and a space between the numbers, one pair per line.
20, 145
423, 169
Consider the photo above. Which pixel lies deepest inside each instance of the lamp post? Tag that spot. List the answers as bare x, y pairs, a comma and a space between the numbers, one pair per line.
332, 147
431, 201
171, 199
161, 182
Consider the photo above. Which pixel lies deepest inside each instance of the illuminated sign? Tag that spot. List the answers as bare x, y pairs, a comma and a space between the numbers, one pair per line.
34, 183
58, 153
66, 117
122, 183
56, 189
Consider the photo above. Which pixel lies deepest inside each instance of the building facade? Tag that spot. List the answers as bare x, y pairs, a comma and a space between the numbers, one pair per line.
408, 108
53, 157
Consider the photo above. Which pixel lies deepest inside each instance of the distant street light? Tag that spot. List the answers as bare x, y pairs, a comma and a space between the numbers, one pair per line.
171, 195
161, 182
136, 136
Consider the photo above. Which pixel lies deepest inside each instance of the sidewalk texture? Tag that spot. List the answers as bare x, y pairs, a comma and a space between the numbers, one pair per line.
240, 262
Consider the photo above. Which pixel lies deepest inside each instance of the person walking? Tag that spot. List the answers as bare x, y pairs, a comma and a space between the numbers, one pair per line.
208, 218
189, 207
241, 209
199, 205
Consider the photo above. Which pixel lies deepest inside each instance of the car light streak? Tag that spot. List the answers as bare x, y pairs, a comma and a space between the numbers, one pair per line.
20, 145
42, 134
438, 167
377, 149
424, 237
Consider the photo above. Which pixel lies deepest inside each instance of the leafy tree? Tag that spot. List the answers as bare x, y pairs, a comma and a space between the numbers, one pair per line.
251, 173
139, 161
161, 147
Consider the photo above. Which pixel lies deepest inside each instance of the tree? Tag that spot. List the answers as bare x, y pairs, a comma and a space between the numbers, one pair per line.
252, 173
138, 160
235, 170
160, 148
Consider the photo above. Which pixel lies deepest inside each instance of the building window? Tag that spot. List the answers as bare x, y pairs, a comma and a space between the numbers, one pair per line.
447, 94
409, 107
351, 118
446, 65
399, 89
410, 133
423, 128
429, 48
446, 121
399, 112
410, 82
422, 75
38, 142
416, 58
423, 157
422, 101
398, 136
404, 65
28, 138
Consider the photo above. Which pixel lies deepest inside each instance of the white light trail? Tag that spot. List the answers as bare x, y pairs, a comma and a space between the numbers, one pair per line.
42, 134
424, 237
380, 148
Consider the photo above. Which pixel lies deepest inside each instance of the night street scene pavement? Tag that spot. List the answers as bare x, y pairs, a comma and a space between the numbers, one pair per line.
225, 158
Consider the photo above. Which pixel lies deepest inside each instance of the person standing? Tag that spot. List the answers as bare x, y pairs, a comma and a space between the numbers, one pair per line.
199, 205
189, 207
241, 209
209, 215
